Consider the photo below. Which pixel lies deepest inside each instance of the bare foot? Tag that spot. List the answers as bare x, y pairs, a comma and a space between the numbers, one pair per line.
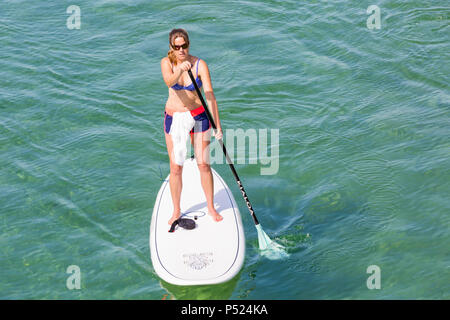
176, 214
214, 214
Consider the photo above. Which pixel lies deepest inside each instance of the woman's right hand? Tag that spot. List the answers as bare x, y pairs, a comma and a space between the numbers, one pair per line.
185, 66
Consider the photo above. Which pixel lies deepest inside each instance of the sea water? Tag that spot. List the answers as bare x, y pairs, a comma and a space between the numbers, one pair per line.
357, 92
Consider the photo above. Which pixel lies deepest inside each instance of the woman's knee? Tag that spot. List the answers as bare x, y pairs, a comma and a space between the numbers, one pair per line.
176, 169
204, 167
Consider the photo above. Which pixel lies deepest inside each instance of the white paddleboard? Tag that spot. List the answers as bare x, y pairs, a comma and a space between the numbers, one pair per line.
211, 253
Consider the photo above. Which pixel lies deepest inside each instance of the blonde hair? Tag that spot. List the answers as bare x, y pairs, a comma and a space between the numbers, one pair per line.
175, 33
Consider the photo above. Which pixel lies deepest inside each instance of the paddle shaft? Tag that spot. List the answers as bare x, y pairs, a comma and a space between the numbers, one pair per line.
230, 163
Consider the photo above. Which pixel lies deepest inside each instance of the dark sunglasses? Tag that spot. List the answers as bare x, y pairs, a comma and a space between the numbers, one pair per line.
184, 46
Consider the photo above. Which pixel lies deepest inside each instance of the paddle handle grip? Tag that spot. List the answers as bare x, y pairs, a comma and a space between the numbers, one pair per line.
230, 163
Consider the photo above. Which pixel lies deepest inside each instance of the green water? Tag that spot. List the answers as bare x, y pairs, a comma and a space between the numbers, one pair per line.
363, 122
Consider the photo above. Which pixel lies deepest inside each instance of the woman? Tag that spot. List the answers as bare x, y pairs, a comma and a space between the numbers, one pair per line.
184, 115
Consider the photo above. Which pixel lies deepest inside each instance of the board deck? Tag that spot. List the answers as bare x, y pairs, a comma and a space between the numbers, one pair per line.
211, 253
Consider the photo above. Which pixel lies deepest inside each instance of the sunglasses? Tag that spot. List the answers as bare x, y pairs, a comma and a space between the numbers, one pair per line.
184, 46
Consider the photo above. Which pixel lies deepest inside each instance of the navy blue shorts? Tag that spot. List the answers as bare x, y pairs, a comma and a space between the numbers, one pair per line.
201, 121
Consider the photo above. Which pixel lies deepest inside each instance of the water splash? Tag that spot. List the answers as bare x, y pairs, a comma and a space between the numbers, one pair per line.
270, 249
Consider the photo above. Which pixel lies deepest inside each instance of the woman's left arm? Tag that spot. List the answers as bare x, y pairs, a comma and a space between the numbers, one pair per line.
209, 94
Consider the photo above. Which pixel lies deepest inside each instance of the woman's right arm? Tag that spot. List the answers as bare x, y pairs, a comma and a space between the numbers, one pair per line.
171, 77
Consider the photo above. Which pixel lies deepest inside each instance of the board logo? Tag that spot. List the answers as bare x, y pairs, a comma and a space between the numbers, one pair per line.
198, 261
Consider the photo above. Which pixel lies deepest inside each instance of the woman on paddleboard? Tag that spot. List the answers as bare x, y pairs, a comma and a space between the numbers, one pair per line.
184, 115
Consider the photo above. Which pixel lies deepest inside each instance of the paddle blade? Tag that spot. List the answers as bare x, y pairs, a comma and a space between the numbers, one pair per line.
270, 249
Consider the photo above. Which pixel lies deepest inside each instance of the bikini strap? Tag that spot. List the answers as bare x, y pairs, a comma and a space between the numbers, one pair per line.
198, 62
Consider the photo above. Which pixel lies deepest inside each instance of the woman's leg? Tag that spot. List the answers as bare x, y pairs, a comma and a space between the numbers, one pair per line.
175, 181
201, 149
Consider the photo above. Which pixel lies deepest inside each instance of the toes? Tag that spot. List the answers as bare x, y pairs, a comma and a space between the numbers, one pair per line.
215, 215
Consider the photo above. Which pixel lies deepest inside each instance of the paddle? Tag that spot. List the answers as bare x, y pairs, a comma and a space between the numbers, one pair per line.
263, 239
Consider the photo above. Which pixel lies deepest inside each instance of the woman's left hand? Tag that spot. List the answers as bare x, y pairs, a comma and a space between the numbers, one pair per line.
218, 134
